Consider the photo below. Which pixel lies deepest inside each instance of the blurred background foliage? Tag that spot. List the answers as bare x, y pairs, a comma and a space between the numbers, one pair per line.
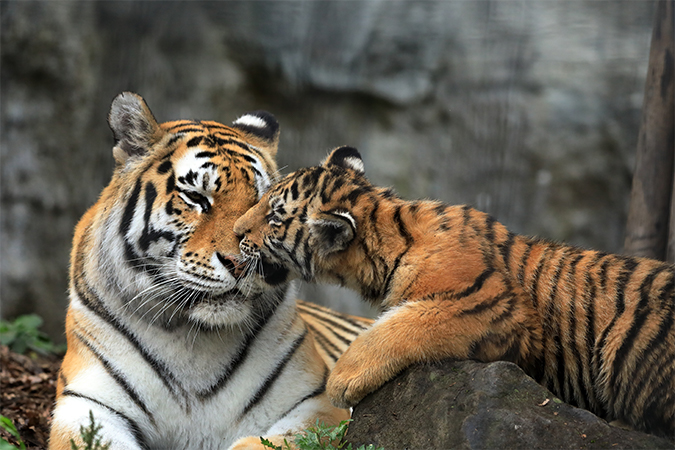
526, 109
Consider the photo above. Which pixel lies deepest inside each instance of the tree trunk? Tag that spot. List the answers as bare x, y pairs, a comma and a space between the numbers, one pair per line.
650, 231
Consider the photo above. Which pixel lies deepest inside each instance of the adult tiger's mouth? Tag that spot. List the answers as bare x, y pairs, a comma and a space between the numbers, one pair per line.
197, 296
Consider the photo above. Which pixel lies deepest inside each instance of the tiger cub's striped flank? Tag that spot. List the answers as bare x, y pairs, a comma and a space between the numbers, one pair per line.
168, 344
597, 329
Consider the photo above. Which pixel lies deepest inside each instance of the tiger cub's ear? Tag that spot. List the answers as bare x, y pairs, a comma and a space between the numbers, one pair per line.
332, 231
133, 125
262, 127
346, 157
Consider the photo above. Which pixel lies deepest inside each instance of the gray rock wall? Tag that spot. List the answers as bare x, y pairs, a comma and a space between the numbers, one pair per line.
526, 109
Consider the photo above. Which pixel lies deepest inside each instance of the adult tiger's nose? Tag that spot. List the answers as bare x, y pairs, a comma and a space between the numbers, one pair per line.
233, 264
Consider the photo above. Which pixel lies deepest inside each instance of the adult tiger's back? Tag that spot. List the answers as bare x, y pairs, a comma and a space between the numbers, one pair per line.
597, 329
168, 345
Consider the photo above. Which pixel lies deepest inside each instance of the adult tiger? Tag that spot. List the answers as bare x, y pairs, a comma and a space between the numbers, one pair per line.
597, 329
167, 346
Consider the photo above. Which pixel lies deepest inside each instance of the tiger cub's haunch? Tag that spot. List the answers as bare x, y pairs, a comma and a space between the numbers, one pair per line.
597, 329
168, 345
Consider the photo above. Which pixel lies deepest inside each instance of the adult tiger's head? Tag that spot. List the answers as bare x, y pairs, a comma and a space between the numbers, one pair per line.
308, 220
159, 242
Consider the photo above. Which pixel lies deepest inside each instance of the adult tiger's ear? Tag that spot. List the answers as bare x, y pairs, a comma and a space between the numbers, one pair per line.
346, 157
262, 128
133, 125
332, 231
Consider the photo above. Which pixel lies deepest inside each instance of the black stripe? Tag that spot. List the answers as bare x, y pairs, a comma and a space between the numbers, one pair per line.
490, 303
508, 311
642, 311
505, 249
164, 167
269, 381
403, 231
331, 349
195, 141
523, 263
239, 358
490, 229
97, 307
236, 143
537, 274
130, 254
654, 411
466, 215
251, 149
334, 324
314, 393
185, 123
296, 241
657, 342
390, 276
307, 251
205, 154
118, 377
603, 275
591, 288
628, 269
550, 325
477, 284
294, 190
342, 317
193, 129
173, 139
170, 183
149, 234
576, 355
131, 424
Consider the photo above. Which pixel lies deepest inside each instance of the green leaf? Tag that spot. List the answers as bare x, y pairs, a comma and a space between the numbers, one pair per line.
269, 444
4, 445
29, 322
8, 425
7, 336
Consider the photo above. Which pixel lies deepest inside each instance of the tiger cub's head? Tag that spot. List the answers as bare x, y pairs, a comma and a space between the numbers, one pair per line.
307, 221
159, 242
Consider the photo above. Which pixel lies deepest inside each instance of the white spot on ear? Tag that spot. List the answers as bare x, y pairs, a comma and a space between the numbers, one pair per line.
251, 121
355, 163
347, 216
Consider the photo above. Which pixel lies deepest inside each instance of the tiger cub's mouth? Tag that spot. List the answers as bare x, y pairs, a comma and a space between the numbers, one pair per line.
273, 273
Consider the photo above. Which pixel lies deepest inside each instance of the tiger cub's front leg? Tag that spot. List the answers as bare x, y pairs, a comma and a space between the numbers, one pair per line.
431, 330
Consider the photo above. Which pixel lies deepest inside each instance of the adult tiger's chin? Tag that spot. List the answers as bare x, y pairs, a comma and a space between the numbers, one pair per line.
233, 308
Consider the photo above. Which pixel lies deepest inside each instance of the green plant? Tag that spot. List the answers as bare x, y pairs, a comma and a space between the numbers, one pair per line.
320, 437
8, 426
90, 437
23, 334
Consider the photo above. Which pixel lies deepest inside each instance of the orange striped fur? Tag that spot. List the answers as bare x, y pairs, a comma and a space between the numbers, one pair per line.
169, 345
595, 328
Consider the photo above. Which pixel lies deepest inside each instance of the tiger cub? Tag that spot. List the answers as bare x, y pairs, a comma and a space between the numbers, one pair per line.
596, 329
168, 345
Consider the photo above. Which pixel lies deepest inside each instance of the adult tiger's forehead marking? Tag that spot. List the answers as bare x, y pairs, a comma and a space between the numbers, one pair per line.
222, 147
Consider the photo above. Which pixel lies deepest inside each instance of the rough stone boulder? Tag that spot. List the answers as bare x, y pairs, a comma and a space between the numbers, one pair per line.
466, 404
